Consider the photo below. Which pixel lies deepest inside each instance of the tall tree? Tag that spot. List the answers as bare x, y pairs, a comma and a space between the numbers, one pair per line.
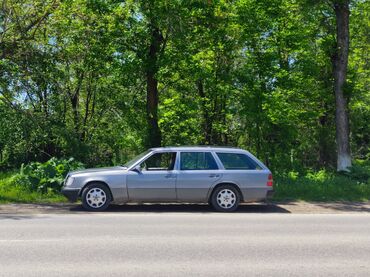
340, 62
152, 97
155, 21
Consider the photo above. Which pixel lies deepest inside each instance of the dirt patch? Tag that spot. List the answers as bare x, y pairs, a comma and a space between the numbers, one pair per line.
325, 207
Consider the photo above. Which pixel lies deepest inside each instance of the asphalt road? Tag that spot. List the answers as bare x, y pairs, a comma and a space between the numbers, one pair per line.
154, 243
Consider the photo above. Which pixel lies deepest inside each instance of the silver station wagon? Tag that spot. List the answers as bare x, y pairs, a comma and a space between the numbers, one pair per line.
222, 177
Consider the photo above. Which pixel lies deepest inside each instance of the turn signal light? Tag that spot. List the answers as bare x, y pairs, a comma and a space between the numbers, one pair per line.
270, 181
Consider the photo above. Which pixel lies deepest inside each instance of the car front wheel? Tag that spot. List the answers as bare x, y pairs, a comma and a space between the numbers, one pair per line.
225, 198
96, 197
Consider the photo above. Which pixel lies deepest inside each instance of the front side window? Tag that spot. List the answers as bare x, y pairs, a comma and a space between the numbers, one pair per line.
237, 161
197, 161
159, 161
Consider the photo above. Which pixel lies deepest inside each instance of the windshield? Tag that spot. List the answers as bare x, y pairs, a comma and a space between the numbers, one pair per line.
134, 160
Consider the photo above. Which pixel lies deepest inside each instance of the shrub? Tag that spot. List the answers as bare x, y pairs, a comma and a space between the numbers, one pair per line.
319, 176
360, 171
293, 175
45, 177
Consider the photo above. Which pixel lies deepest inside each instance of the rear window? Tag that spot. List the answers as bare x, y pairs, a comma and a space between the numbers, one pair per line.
197, 161
237, 161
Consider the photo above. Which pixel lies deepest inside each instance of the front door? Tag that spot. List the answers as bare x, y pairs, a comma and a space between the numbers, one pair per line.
155, 181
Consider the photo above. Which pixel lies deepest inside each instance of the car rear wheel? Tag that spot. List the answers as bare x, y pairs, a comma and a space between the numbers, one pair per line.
96, 197
225, 198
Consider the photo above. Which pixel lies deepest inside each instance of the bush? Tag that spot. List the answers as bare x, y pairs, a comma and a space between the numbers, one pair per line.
45, 177
360, 171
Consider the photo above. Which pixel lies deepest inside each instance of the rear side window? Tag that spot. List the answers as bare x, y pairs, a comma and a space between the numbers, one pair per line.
197, 161
237, 161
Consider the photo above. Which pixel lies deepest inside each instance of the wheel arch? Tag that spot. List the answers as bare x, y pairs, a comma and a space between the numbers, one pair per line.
96, 182
229, 184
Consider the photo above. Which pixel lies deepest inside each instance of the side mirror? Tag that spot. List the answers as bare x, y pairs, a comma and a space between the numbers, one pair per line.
137, 169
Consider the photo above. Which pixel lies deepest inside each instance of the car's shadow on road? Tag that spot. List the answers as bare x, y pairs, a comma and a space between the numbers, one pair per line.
16, 217
187, 208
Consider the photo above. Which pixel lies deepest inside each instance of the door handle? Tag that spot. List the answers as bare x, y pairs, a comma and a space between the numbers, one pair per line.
170, 176
214, 175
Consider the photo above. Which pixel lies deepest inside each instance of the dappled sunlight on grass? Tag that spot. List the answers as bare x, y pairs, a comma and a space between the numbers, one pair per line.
320, 186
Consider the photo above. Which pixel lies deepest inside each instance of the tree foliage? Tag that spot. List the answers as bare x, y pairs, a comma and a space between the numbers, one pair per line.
101, 80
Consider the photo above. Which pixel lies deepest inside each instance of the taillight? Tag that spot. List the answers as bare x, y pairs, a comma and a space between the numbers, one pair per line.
269, 181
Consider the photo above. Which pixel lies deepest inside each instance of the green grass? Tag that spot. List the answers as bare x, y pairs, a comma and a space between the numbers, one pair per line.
321, 186
11, 193
312, 186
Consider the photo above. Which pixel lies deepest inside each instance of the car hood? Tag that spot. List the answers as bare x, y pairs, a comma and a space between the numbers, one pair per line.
97, 170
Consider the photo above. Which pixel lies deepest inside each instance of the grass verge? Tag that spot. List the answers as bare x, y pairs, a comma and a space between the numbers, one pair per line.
320, 186
313, 186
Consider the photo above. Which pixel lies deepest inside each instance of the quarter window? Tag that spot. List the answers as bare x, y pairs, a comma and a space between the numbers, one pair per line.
237, 161
197, 161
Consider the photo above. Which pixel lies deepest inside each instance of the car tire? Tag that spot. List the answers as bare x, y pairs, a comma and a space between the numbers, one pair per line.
96, 197
225, 198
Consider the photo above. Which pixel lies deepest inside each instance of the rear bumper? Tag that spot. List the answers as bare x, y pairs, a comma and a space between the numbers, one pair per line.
269, 194
71, 194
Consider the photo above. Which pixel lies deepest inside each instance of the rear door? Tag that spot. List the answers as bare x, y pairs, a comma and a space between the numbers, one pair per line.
197, 173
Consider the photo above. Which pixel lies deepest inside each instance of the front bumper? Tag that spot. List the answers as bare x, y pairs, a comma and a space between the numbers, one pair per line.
71, 194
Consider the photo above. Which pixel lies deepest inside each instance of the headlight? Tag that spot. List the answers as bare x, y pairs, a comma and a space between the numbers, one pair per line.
68, 182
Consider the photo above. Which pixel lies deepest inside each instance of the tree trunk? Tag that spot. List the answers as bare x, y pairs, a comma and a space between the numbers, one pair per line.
324, 143
75, 102
75, 106
341, 8
207, 122
154, 133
